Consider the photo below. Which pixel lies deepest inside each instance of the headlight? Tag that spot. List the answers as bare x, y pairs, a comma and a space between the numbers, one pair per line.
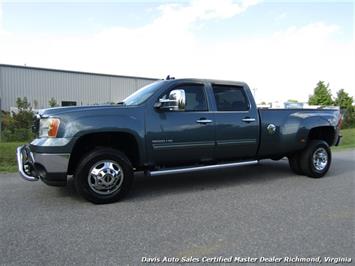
48, 127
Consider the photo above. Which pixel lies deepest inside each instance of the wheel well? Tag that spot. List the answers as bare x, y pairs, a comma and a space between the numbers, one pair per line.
124, 142
322, 133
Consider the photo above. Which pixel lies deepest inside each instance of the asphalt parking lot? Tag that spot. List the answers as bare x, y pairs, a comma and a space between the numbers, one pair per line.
262, 210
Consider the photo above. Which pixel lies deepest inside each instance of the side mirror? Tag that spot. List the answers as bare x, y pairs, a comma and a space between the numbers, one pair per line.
176, 101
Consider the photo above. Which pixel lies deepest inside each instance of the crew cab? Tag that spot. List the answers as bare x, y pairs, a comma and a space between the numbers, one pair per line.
173, 126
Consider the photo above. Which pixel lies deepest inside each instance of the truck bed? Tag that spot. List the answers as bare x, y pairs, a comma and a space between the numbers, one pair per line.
292, 128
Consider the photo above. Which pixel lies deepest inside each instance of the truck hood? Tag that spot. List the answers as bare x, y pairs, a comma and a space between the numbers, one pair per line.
56, 111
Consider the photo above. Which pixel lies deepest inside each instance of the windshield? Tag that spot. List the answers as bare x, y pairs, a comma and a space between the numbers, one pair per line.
142, 94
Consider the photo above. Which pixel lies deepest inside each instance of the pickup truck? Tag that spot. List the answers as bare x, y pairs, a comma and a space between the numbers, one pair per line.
173, 126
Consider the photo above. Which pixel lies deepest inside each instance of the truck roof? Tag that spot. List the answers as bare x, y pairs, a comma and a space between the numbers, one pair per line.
215, 81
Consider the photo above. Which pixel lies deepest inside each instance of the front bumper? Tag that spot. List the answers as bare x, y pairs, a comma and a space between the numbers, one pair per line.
50, 168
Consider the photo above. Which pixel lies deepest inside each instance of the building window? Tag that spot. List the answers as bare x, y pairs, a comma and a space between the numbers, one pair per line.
68, 103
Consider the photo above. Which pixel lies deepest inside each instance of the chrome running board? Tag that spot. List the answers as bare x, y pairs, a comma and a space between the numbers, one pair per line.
198, 168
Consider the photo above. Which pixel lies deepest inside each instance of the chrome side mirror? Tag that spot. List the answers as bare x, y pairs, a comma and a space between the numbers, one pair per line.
176, 101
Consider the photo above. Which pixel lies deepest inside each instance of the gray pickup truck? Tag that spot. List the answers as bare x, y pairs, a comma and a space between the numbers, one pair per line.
173, 126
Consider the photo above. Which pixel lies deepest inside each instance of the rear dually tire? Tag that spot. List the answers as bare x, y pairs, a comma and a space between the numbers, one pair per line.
315, 160
294, 161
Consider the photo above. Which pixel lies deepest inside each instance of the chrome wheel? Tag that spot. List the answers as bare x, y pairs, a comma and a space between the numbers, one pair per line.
320, 159
105, 177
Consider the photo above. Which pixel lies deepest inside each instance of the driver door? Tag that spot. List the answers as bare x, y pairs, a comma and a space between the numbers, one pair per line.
182, 137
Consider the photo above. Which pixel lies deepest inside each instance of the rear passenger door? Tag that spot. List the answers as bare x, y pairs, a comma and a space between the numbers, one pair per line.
237, 123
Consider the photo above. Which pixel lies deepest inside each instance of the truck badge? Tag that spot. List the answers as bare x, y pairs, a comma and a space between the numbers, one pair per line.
271, 128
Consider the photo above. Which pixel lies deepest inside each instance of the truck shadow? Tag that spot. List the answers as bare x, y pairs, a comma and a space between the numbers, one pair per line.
267, 171
145, 187
153, 186
148, 187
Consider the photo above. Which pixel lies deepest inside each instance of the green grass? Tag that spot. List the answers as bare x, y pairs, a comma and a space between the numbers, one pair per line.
8, 150
8, 156
348, 139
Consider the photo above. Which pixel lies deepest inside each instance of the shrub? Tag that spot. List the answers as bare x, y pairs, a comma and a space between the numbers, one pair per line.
18, 134
17, 127
348, 117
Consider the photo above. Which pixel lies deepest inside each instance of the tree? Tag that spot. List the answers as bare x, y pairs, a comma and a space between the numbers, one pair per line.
321, 95
17, 127
23, 104
343, 100
24, 117
52, 102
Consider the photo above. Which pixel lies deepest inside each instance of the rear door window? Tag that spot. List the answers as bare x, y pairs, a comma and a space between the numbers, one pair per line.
230, 98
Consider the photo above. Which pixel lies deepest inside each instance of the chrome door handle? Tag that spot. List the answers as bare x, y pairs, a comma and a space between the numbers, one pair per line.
248, 119
204, 121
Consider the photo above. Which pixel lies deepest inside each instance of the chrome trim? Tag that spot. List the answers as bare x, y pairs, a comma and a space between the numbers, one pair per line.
105, 177
20, 165
51, 142
248, 119
200, 168
40, 116
53, 163
182, 145
204, 121
320, 159
271, 129
235, 142
176, 101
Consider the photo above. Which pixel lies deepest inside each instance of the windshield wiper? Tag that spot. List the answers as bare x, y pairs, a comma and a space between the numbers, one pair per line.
121, 103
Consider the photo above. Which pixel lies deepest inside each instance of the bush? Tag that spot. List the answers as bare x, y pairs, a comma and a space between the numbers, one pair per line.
18, 134
348, 118
17, 127
23, 119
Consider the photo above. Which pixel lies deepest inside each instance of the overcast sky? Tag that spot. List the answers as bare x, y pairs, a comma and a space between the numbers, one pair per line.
281, 49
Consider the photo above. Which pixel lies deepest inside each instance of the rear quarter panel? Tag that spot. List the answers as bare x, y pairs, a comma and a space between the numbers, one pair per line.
292, 128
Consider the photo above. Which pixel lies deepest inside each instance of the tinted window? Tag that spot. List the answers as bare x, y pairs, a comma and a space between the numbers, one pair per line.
195, 97
230, 98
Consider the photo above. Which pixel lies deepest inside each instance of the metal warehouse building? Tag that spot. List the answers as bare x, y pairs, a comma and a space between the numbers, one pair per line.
39, 85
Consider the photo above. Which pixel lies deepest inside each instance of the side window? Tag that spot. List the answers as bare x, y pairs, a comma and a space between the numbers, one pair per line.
230, 98
195, 97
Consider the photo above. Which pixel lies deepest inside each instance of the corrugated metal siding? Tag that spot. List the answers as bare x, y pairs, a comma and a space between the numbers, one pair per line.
42, 85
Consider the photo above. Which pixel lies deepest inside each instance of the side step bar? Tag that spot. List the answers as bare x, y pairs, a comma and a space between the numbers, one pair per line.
198, 168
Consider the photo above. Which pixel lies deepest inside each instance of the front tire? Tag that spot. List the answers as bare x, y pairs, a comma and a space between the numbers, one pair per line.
316, 159
104, 176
